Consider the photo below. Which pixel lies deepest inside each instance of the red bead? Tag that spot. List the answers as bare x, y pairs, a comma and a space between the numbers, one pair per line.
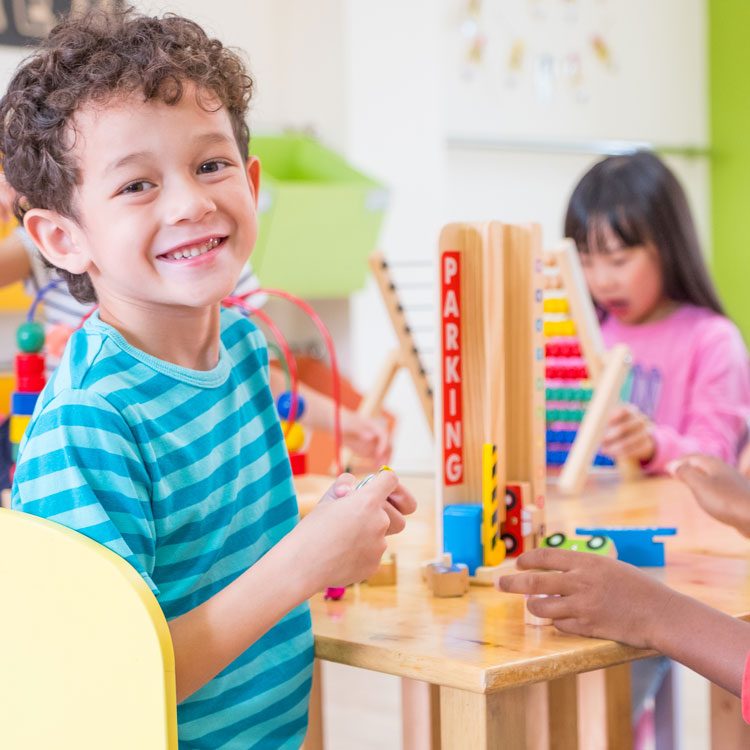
30, 383
29, 364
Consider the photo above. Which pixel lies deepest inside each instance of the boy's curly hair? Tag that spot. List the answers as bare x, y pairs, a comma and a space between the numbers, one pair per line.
89, 58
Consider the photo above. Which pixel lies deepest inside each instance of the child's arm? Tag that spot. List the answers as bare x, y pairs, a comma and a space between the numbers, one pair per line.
14, 260
341, 541
712, 418
604, 598
368, 437
721, 490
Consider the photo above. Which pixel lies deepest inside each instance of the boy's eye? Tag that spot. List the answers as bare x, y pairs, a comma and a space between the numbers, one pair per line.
211, 166
136, 187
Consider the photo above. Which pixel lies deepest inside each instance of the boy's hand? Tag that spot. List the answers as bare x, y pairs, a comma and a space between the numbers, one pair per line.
343, 537
592, 595
721, 490
367, 437
628, 435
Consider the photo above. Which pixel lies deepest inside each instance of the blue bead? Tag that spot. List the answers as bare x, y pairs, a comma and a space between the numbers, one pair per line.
284, 405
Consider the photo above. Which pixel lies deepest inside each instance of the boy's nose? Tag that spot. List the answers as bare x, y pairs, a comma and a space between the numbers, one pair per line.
187, 201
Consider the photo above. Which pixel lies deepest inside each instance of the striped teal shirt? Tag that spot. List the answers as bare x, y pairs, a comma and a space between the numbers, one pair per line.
183, 473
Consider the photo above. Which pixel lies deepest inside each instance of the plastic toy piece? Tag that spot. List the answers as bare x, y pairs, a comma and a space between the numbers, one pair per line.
446, 578
462, 534
284, 405
30, 337
635, 545
386, 574
597, 544
298, 462
493, 547
295, 437
335, 592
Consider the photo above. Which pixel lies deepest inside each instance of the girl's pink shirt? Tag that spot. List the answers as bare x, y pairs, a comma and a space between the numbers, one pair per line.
691, 377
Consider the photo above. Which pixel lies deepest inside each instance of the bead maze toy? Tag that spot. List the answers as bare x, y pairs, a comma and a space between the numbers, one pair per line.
492, 393
575, 373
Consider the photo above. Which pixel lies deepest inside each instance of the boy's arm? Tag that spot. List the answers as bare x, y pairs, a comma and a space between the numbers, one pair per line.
596, 596
338, 543
14, 260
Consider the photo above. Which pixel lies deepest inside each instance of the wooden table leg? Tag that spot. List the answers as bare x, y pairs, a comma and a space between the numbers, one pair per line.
314, 737
728, 730
604, 709
420, 715
488, 721
562, 701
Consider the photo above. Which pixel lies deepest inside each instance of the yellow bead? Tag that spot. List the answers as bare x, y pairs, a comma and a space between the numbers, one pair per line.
295, 438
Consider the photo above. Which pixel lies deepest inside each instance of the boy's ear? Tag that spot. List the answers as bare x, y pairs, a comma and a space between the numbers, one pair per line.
56, 236
252, 167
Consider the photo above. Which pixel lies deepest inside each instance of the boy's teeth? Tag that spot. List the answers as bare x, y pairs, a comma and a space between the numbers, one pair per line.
193, 252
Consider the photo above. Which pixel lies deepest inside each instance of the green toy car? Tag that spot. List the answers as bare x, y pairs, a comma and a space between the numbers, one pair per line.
599, 545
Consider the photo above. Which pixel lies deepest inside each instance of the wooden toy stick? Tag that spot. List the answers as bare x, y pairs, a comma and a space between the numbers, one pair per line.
606, 397
492, 545
409, 352
582, 308
584, 315
372, 403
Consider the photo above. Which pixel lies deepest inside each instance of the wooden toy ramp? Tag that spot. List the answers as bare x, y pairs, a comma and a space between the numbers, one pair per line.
86, 658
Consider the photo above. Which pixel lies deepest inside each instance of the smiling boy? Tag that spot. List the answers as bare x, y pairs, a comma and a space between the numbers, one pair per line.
157, 435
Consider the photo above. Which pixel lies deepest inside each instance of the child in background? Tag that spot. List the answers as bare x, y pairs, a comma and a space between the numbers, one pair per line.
643, 264
157, 434
603, 598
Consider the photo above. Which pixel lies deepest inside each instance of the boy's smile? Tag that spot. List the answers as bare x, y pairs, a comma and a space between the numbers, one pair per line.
164, 213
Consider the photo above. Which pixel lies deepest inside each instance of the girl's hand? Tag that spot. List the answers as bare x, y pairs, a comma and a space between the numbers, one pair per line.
628, 435
367, 437
721, 490
592, 595
743, 463
342, 540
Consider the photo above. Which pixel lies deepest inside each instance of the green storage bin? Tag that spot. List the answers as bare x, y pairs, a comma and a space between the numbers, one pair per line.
318, 218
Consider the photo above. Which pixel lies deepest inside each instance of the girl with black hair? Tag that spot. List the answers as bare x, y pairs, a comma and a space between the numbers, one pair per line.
643, 264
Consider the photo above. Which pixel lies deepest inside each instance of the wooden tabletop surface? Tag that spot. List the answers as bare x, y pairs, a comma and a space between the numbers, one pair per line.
479, 642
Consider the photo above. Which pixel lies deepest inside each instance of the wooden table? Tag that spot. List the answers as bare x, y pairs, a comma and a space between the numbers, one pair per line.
477, 650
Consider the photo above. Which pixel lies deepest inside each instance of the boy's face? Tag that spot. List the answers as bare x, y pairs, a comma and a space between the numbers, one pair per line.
166, 205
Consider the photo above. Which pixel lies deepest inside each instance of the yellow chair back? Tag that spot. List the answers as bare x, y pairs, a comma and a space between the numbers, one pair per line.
86, 659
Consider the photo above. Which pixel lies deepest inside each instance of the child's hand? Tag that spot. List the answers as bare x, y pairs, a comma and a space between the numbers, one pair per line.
592, 595
367, 437
343, 537
628, 435
721, 490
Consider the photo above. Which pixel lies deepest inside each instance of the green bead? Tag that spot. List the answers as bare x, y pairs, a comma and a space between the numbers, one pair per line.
30, 337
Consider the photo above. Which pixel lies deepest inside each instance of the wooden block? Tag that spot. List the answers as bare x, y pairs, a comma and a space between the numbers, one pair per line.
448, 581
606, 397
532, 619
386, 574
